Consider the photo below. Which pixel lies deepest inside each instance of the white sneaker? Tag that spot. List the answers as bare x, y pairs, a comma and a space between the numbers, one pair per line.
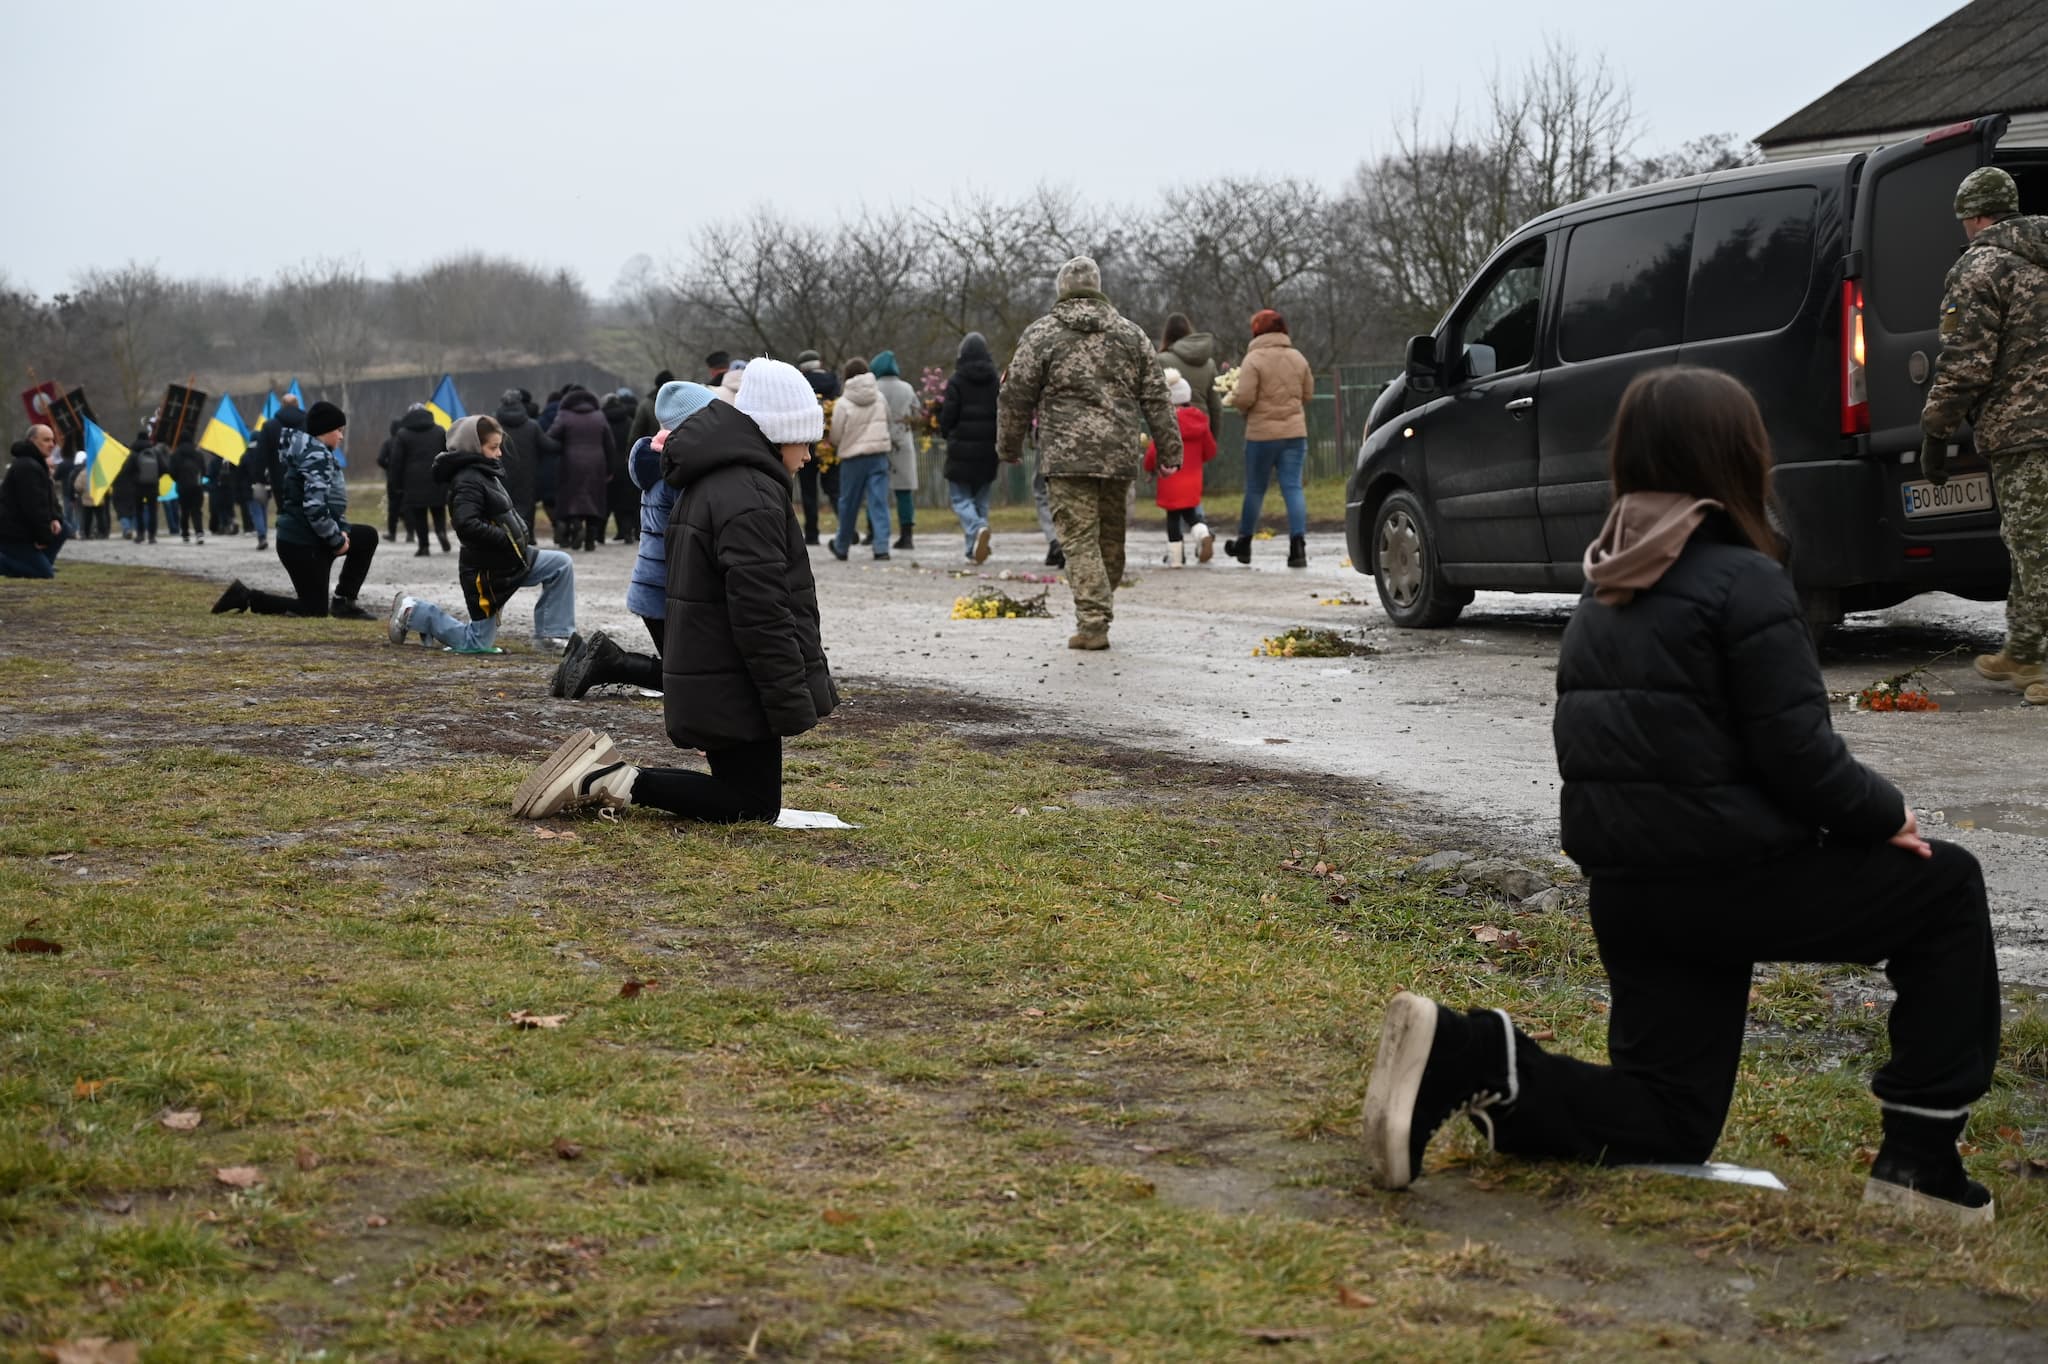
981, 539
585, 770
1205, 542
1177, 554
400, 618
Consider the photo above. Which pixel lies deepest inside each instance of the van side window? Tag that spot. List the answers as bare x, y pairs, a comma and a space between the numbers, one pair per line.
1752, 261
1497, 331
1624, 283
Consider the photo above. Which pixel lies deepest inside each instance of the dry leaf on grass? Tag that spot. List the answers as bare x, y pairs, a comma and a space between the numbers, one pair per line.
1034, 1013
239, 1176
559, 834
61, 857
376, 1219
1347, 1296
1507, 939
305, 1158
41, 945
567, 1150
180, 1119
522, 1018
86, 1089
120, 1206
633, 987
834, 1217
92, 1350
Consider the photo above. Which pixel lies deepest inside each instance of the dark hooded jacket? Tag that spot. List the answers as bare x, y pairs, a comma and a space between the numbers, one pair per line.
527, 449
28, 498
967, 415
1692, 725
586, 440
1194, 355
188, 468
268, 459
742, 659
413, 450
497, 544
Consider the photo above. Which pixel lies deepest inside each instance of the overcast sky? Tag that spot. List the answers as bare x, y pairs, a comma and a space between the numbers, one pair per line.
231, 137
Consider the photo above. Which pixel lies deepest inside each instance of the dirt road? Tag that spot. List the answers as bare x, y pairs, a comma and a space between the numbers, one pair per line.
1457, 720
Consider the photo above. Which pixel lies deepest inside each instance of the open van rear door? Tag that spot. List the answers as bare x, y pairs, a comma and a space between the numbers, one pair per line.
1902, 242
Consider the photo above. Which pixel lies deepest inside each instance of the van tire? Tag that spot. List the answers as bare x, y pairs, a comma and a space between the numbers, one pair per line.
1412, 589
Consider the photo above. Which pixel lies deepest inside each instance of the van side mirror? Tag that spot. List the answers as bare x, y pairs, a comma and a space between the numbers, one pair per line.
1424, 374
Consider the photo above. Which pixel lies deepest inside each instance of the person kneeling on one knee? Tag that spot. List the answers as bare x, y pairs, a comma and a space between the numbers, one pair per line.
498, 556
743, 667
1721, 822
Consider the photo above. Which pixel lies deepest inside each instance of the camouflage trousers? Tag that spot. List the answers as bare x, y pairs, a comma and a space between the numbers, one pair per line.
2021, 483
1090, 517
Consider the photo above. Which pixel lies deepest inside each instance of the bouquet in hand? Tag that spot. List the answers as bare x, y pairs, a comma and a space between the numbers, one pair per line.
1226, 384
931, 394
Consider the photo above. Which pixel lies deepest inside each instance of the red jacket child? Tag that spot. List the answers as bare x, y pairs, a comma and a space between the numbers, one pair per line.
1182, 490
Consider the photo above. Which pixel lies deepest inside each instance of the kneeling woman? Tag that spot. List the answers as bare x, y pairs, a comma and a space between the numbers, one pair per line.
743, 667
498, 554
1722, 822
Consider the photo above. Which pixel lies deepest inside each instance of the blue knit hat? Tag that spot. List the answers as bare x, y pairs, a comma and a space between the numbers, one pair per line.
883, 366
678, 401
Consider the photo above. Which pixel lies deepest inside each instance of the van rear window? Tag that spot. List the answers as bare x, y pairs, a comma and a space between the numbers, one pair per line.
1752, 263
1916, 240
1624, 283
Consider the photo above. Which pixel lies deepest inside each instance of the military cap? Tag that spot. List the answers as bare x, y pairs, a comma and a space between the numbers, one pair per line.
1987, 192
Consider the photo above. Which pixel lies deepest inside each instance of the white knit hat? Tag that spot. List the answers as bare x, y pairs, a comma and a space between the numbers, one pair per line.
781, 402
1178, 391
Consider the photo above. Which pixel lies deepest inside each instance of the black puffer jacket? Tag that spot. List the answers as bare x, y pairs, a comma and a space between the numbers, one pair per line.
188, 466
497, 546
1692, 726
414, 448
28, 498
742, 660
967, 418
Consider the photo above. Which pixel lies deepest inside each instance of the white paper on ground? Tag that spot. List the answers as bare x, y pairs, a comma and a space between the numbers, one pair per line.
1719, 1172
811, 819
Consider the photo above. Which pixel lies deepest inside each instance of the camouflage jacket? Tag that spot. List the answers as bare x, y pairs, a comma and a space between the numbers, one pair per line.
1993, 369
1086, 373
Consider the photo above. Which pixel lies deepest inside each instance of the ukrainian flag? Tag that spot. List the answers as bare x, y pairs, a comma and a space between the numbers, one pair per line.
270, 406
104, 457
225, 435
446, 405
292, 390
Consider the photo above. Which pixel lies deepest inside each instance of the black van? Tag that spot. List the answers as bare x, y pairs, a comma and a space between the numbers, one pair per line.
1815, 282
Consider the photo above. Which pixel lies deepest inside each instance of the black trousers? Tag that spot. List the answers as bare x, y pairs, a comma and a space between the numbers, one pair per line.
1680, 954
394, 509
418, 521
309, 566
807, 483
145, 518
1179, 522
191, 510
745, 784
623, 500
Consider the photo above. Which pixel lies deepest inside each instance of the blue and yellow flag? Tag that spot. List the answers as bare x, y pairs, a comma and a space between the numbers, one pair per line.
104, 457
225, 435
292, 391
270, 406
446, 405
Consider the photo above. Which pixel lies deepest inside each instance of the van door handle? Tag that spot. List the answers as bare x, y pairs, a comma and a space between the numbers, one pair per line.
1521, 404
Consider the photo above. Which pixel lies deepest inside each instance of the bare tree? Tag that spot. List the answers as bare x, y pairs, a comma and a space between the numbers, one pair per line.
129, 311
330, 305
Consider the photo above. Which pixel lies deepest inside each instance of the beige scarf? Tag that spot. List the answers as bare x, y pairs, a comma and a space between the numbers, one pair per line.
1644, 535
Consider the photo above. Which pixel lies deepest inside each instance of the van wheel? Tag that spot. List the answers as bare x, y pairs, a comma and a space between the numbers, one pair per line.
1404, 568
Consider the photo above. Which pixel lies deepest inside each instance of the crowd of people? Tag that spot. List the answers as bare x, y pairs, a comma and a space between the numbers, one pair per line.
1703, 779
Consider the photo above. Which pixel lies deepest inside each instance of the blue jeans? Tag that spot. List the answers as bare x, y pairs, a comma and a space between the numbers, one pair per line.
259, 519
1261, 458
28, 561
863, 477
970, 504
554, 616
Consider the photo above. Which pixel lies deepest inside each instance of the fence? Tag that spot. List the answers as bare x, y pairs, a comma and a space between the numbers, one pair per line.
1336, 426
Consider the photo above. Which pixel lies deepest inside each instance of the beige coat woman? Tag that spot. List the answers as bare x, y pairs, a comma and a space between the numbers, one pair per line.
1274, 386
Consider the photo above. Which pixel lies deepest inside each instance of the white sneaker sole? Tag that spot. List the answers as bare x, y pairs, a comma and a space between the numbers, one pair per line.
1405, 1040
1205, 548
549, 784
1888, 1197
981, 539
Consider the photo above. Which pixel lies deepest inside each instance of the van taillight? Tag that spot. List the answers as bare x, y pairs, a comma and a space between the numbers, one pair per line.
1855, 388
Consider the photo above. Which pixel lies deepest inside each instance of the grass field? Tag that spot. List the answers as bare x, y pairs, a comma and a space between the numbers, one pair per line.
1057, 1057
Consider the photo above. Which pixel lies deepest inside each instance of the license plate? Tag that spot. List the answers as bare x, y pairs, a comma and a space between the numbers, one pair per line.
1963, 493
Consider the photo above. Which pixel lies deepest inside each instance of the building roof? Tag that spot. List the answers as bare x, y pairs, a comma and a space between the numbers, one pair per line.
1989, 57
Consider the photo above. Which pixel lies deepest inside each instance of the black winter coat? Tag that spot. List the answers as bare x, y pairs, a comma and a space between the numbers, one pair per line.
742, 658
413, 451
619, 414
527, 451
967, 422
28, 498
188, 465
1692, 726
497, 545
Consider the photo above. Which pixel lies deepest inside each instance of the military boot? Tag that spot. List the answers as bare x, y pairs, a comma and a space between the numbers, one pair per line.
2037, 694
2003, 667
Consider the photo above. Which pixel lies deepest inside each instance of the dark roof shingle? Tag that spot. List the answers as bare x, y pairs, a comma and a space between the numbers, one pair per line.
1991, 56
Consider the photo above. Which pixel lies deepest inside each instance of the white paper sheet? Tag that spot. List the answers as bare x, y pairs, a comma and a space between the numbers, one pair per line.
1719, 1172
811, 819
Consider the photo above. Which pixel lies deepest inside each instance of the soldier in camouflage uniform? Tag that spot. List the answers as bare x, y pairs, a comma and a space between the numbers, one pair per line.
1085, 372
1993, 372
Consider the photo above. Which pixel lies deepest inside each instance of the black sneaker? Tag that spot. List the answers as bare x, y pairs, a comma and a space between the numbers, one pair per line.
575, 648
837, 552
1055, 557
1434, 1064
1919, 1172
236, 598
345, 608
597, 663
